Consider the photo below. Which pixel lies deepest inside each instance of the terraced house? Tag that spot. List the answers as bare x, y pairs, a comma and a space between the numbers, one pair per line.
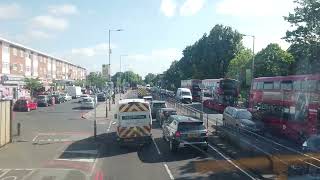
18, 62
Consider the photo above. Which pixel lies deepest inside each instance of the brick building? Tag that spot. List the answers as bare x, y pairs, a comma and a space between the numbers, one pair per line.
18, 62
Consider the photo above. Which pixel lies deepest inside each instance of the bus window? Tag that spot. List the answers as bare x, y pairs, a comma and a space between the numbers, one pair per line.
276, 85
286, 85
268, 85
255, 85
297, 85
260, 85
312, 85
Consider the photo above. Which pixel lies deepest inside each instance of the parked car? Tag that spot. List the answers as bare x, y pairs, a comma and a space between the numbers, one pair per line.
83, 96
25, 104
101, 97
66, 96
58, 98
312, 144
164, 113
184, 95
241, 119
43, 100
87, 103
155, 106
183, 131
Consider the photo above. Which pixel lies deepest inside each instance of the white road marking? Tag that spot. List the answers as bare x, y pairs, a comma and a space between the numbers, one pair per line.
49, 140
168, 171
29, 174
155, 144
9, 178
34, 139
6, 171
78, 160
231, 162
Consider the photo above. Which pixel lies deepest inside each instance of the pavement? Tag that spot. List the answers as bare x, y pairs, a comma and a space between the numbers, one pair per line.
57, 143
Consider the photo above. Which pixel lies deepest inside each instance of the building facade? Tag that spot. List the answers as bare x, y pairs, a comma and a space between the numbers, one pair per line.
18, 62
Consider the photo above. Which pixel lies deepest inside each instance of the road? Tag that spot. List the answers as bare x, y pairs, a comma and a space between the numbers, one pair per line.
57, 143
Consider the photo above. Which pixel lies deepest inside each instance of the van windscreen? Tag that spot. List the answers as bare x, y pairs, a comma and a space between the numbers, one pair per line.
131, 117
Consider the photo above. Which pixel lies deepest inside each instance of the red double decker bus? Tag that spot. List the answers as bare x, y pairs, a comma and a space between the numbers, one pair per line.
224, 91
288, 105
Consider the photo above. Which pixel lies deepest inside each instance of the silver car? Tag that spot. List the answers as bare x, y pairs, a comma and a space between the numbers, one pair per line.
241, 119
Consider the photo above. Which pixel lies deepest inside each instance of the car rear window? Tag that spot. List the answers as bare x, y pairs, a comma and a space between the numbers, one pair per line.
21, 102
190, 126
159, 105
168, 113
87, 100
131, 117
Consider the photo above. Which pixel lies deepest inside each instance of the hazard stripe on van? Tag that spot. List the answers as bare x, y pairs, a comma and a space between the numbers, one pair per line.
133, 107
137, 131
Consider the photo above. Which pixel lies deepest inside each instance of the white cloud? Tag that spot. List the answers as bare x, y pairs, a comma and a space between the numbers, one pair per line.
65, 9
9, 11
255, 7
168, 7
156, 61
38, 34
191, 7
98, 49
50, 22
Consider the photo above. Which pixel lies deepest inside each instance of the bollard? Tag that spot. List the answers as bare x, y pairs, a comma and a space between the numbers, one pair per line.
107, 108
207, 121
18, 129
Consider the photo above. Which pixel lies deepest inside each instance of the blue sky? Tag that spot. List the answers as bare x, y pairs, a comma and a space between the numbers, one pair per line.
155, 31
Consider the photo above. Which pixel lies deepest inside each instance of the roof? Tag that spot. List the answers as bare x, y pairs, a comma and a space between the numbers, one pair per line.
38, 52
147, 96
181, 118
184, 89
126, 101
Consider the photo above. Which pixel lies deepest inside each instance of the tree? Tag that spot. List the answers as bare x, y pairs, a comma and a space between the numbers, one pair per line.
96, 79
305, 36
273, 61
238, 65
79, 82
33, 85
149, 79
132, 78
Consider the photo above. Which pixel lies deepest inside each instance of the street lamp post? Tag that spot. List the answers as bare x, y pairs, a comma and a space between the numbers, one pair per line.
252, 66
109, 54
121, 73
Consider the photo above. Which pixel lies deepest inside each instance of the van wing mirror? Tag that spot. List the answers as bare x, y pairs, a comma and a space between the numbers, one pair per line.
115, 116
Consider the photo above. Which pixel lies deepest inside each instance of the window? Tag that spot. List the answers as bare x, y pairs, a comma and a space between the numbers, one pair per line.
276, 85
254, 85
260, 85
21, 67
14, 51
132, 117
268, 85
286, 85
243, 115
5, 65
27, 68
14, 67
21, 53
312, 85
297, 85
191, 126
318, 86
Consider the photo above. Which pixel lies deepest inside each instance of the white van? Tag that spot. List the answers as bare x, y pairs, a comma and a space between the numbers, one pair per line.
134, 122
184, 95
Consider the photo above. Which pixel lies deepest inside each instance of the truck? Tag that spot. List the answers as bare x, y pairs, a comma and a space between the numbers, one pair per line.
195, 87
134, 122
74, 91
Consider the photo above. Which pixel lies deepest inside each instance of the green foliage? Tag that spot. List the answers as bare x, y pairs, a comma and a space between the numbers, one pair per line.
121, 77
209, 57
79, 82
149, 79
33, 85
96, 79
273, 61
238, 65
305, 36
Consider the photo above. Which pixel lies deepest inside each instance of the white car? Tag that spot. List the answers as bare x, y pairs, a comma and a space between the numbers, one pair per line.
66, 96
83, 96
87, 103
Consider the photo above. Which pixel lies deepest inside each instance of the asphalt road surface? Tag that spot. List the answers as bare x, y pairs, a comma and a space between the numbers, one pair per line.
56, 143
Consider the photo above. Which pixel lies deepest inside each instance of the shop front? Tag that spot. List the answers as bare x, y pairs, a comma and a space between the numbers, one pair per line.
12, 87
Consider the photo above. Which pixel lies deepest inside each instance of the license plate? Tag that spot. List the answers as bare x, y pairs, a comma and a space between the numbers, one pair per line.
192, 135
128, 140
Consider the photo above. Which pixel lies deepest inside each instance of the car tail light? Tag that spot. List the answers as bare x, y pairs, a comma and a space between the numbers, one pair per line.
178, 134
